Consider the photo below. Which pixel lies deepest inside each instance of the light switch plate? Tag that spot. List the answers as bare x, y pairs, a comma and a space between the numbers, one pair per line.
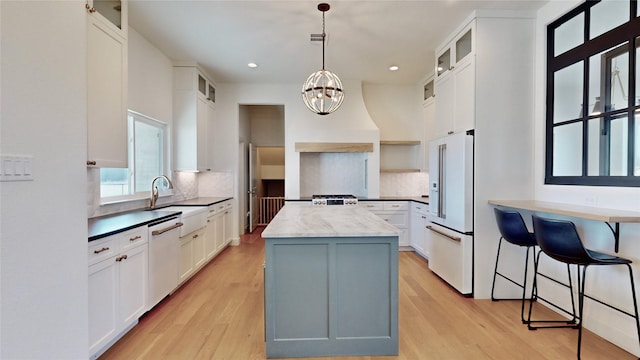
16, 168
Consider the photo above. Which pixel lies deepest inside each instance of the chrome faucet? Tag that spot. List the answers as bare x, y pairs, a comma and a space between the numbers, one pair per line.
154, 190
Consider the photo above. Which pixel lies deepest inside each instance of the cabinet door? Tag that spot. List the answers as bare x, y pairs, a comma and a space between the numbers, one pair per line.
133, 278
186, 258
218, 219
103, 297
198, 249
228, 223
429, 118
445, 91
210, 237
201, 135
106, 96
464, 95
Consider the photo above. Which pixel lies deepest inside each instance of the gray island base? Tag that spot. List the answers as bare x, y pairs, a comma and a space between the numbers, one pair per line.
331, 283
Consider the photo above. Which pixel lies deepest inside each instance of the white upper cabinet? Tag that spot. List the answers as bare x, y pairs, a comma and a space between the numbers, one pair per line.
455, 84
452, 53
193, 114
107, 83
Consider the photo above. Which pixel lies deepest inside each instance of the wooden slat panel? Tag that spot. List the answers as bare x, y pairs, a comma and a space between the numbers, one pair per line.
333, 147
399, 142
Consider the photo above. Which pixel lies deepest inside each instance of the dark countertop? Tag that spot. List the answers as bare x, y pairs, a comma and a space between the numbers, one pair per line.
103, 226
108, 225
201, 201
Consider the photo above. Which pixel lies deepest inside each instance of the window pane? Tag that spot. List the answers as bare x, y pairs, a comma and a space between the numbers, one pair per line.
620, 80
567, 93
608, 80
567, 150
114, 182
569, 35
636, 167
618, 154
593, 146
607, 15
637, 71
148, 155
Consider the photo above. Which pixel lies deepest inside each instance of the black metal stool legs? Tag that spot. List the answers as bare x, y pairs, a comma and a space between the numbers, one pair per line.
523, 285
571, 323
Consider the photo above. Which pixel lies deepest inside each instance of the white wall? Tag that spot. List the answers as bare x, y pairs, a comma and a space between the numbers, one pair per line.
607, 284
350, 123
43, 260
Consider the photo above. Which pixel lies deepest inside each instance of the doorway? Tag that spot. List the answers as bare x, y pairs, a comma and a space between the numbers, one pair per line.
262, 163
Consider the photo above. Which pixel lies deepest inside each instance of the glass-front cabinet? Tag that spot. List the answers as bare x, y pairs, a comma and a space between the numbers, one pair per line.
112, 13
456, 50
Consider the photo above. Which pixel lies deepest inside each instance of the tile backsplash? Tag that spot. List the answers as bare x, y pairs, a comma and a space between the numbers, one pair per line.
187, 185
404, 184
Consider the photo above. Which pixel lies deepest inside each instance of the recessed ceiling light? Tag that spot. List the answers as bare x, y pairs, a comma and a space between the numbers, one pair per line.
252, 65
393, 68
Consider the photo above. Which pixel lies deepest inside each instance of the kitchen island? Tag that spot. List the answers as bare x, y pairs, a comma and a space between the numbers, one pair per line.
331, 283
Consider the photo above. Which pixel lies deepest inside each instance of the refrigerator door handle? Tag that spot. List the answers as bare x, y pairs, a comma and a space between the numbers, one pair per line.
454, 238
442, 149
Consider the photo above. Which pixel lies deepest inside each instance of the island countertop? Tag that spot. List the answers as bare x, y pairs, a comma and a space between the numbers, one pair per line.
305, 220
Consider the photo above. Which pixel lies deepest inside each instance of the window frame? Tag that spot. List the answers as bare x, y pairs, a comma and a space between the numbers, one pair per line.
132, 118
629, 33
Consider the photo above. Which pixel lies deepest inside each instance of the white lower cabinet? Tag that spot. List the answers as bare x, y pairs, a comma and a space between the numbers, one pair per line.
395, 213
419, 235
219, 233
117, 286
191, 253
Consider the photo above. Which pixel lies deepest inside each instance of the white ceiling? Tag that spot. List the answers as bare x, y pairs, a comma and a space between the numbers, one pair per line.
363, 37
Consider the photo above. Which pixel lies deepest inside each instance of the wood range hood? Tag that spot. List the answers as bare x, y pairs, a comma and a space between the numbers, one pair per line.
334, 147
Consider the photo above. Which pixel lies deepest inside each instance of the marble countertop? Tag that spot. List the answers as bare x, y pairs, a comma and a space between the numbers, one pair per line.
420, 199
306, 220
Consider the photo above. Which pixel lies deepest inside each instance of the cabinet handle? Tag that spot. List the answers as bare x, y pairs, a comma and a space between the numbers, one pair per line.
194, 236
101, 250
208, 220
454, 238
451, 67
91, 162
424, 217
226, 212
135, 238
89, 8
450, 132
120, 258
395, 206
369, 205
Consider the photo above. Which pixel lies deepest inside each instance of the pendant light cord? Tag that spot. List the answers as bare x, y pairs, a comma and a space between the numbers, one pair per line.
323, 38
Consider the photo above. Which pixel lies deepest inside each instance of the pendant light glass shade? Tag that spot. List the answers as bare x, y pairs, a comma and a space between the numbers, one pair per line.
322, 92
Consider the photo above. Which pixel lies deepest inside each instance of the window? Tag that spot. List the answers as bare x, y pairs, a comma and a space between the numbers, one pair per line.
593, 96
147, 159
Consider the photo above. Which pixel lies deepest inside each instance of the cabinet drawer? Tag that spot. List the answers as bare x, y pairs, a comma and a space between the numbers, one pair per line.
369, 205
420, 208
395, 219
103, 249
133, 238
391, 205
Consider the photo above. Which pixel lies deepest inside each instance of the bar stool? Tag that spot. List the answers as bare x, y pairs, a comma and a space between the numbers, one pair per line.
559, 239
514, 231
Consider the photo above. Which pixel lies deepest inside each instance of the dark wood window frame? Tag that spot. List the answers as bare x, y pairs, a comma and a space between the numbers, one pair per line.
627, 33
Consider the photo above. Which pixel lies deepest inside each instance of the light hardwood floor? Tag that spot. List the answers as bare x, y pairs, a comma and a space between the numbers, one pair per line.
218, 314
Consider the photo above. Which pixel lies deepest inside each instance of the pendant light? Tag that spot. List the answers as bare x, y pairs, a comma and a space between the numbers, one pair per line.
322, 92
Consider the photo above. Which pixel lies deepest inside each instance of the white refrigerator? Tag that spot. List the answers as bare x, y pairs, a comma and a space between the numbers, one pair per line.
451, 209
